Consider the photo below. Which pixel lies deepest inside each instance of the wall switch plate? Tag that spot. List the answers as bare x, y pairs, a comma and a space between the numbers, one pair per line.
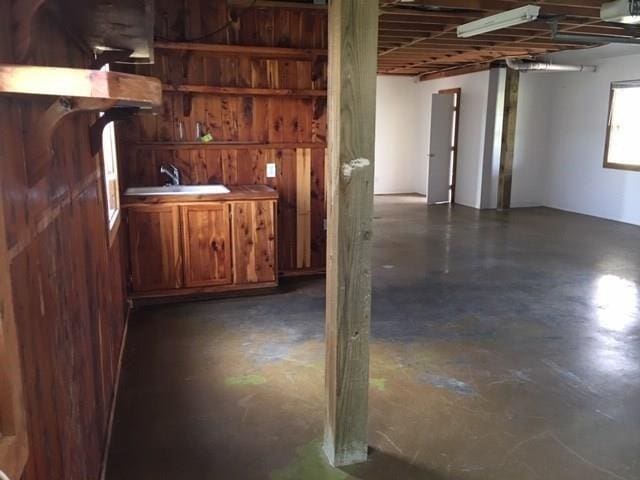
271, 170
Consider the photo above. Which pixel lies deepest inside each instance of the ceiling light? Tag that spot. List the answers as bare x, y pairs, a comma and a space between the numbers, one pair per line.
621, 11
506, 19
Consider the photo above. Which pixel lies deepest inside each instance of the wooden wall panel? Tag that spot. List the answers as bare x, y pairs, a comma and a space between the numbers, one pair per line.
154, 246
206, 241
240, 120
303, 207
68, 283
253, 234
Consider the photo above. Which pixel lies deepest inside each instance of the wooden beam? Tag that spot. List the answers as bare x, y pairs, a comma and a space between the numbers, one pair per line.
276, 4
353, 35
508, 138
242, 50
245, 91
454, 71
122, 88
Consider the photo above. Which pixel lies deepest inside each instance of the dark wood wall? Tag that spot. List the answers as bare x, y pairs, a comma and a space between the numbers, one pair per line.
265, 104
67, 282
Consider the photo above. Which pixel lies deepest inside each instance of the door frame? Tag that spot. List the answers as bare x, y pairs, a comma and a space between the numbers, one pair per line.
457, 95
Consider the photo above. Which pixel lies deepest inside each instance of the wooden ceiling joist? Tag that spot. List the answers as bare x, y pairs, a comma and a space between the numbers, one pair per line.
419, 38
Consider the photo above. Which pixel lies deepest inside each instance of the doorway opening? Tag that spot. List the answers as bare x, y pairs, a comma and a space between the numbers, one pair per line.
455, 125
443, 156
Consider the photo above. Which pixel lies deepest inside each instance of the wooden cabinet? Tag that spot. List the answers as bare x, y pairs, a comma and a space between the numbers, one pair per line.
206, 245
254, 240
154, 246
200, 247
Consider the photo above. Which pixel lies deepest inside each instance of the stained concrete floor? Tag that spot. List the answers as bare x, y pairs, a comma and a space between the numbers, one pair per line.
504, 346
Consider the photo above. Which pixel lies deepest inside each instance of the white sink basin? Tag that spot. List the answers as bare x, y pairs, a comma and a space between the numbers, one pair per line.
177, 190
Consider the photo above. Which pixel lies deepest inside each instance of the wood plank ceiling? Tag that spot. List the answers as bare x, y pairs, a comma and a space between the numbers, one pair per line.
419, 38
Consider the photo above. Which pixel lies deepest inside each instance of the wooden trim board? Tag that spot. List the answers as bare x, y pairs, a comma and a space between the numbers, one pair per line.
303, 207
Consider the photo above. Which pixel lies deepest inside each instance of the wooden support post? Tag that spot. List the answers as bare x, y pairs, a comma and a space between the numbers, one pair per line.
353, 39
508, 138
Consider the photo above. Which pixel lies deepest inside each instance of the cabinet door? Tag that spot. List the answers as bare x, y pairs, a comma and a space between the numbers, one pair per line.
154, 242
205, 239
254, 241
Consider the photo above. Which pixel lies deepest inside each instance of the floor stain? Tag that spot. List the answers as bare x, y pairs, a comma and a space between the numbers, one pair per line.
447, 383
378, 384
310, 464
245, 380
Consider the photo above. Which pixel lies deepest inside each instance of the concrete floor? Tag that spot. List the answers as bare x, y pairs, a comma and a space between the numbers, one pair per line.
505, 346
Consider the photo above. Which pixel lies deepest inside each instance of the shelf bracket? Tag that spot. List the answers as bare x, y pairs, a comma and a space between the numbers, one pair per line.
109, 56
112, 115
39, 148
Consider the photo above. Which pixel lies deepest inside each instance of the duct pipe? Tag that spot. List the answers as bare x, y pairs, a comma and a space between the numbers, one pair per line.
526, 66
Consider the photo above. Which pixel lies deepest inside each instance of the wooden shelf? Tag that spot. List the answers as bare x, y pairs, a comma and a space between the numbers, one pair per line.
269, 92
223, 145
107, 89
244, 50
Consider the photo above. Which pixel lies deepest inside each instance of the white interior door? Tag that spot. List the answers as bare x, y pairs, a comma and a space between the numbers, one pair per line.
438, 182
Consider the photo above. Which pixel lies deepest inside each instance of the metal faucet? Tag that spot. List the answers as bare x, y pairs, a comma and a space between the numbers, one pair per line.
172, 172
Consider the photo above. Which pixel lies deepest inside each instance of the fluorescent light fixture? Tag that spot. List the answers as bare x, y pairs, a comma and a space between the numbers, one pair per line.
621, 11
506, 19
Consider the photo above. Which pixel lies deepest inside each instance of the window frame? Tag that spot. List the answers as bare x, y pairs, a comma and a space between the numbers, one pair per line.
606, 163
112, 221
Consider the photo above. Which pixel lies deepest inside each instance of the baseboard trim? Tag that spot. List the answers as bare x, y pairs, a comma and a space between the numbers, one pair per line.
112, 409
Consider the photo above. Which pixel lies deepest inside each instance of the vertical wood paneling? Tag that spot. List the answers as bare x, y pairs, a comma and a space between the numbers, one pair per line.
206, 243
67, 280
247, 119
154, 245
253, 226
303, 207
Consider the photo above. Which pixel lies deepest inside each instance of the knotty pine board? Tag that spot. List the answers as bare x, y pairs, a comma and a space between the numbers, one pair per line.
241, 118
180, 20
232, 118
248, 167
68, 282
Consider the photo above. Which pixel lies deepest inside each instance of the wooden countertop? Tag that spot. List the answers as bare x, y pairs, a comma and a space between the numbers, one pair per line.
237, 193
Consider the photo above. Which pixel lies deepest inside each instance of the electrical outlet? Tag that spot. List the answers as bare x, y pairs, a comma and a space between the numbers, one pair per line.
271, 170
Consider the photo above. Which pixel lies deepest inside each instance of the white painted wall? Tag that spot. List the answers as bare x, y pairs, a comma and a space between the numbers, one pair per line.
400, 136
403, 120
533, 133
561, 139
559, 144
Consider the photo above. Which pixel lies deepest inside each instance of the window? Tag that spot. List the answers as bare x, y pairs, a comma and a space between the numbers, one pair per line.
623, 126
110, 161
110, 174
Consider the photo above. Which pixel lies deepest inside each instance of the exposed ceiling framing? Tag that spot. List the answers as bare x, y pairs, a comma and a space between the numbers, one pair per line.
418, 38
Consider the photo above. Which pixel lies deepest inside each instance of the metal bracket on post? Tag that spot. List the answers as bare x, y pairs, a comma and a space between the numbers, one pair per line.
112, 115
